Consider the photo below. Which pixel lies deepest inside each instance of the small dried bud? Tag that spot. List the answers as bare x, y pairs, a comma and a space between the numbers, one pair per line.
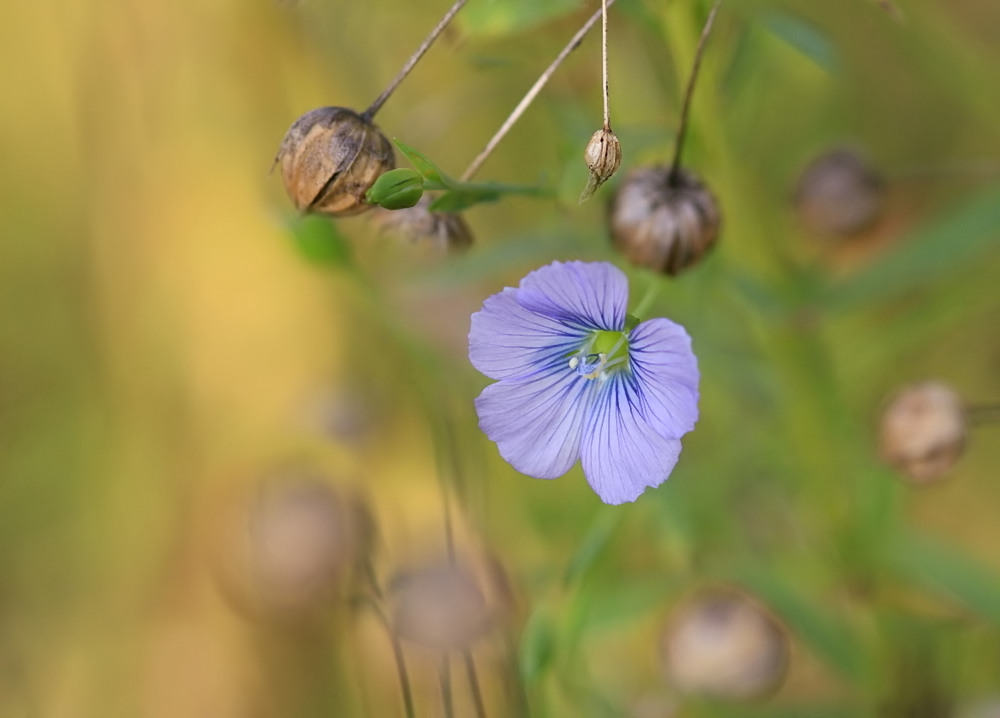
923, 431
330, 157
288, 544
725, 646
839, 193
663, 220
440, 607
442, 231
603, 156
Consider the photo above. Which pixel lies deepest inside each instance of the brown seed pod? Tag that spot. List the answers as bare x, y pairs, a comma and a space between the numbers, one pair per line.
603, 156
330, 157
444, 231
839, 193
288, 543
663, 220
923, 431
722, 644
441, 607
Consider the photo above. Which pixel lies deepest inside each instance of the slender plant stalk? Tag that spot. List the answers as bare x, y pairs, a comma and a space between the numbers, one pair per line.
446, 697
532, 93
414, 59
474, 689
604, 61
689, 93
397, 649
981, 414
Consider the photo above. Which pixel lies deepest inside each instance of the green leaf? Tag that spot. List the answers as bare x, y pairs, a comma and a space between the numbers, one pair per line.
537, 646
423, 165
804, 37
319, 241
504, 17
815, 624
396, 189
947, 570
929, 253
457, 200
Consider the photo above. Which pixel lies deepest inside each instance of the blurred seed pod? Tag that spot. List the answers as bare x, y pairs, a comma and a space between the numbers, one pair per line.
603, 156
330, 157
289, 543
839, 193
663, 220
721, 644
438, 231
923, 431
448, 607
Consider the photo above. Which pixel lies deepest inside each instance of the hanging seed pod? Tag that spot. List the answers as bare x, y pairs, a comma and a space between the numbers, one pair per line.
839, 193
330, 157
722, 644
441, 607
603, 156
439, 231
923, 431
286, 545
663, 220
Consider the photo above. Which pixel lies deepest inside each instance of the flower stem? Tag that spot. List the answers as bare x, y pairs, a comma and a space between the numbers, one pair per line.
446, 698
368, 114
474, 689
515, 115
689, 93
397, 651
648, 298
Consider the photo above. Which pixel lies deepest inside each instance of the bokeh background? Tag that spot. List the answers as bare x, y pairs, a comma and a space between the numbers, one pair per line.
172, 338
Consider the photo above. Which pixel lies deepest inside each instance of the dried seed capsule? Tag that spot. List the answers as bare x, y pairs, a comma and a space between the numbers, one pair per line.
662, 220
286, 545
441, 607
923, 431
330, 157
603, 156
722, 644
839, 193
443, 231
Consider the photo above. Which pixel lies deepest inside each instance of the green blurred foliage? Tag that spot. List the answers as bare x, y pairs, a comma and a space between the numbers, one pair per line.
166, 338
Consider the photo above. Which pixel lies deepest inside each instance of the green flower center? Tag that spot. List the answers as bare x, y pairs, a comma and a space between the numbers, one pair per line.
603, 353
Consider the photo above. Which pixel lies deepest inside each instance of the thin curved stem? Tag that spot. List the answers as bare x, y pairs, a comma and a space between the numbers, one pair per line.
397, 652
446, 697
414, 59
515, 115
474, 689
689, 93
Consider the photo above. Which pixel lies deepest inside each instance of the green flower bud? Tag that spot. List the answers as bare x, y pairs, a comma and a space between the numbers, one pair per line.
396, 189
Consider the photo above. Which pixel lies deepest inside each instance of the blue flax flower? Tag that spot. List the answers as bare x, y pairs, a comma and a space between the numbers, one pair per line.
579, 379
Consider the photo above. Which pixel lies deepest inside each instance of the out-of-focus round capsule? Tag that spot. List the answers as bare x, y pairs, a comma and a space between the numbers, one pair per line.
444, 606
330, 157
437, 231
839, 193
663, 220
923, 431
721, 644
287, 544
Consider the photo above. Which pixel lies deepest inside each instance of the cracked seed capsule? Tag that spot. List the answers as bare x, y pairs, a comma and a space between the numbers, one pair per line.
662, 220
330, 157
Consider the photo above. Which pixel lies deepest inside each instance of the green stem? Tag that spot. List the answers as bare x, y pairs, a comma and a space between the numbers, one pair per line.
652, 291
